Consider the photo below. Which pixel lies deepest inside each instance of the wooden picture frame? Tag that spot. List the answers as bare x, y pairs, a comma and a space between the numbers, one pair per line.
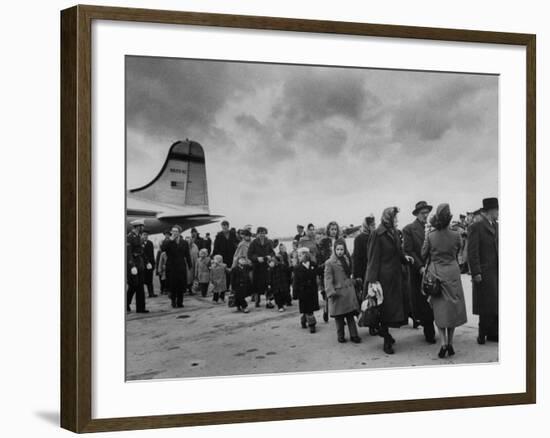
76, 217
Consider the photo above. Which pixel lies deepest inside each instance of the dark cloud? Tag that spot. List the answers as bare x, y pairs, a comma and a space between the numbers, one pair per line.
355, 139
445, 106
313, 96
266, 145
181, 97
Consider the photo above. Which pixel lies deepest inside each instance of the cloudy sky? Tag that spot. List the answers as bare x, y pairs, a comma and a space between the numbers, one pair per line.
289, 144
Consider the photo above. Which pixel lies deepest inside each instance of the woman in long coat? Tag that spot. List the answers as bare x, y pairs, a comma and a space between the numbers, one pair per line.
385, 257
342, 300
441, 247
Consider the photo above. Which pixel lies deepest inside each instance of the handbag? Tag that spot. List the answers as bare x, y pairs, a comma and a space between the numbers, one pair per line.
370, 317
431, 285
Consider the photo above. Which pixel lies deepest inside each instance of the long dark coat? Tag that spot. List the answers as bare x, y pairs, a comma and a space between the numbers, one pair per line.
178, 261
225, 246
385, 257
325, 251
134, 258
304, 287
240, 281
483, 259
360, 250
413, 239
259, 269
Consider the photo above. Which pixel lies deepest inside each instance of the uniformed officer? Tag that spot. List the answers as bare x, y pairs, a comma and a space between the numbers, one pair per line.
135, 264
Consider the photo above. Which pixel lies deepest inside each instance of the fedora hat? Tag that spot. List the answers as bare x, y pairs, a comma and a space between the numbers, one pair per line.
490, 203
421, 205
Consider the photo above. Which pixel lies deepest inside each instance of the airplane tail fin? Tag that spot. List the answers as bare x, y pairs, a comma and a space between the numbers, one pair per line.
181, 180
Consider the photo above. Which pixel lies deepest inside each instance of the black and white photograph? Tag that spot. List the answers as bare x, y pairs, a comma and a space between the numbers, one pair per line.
287, 218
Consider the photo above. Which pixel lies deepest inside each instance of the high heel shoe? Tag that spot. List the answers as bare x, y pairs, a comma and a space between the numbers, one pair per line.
450, 350
442, 352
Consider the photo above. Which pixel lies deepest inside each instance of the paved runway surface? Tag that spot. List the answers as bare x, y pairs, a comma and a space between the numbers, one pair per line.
207, 339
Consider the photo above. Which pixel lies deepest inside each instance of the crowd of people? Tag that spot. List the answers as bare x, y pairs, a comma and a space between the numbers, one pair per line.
388, 267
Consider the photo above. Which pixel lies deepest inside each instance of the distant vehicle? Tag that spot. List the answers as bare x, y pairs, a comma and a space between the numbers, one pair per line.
178, 195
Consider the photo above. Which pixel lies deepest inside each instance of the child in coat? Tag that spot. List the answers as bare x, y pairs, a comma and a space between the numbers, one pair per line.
241, 283
279, 287
202, 271
342, 299
161, 272
304, 288
218, 278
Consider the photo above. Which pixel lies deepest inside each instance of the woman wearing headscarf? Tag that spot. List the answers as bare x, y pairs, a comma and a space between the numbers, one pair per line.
342, 300
441, 247
385, 257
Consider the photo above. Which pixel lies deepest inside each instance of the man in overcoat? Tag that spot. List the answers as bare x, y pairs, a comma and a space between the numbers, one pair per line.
483, 261
135, 267
413, 239
225, 245
149, 261
178, 261
259, 252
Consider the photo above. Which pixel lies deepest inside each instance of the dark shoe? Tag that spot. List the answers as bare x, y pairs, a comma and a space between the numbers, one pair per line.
416, 324
492, 338
342, 340
391, 339
180, 306
356, 339
304, 325
388, 349
373, 331
325, 316
481, 340
442, 352
269, 305
142, 311
312, 329
430, 340
450, 350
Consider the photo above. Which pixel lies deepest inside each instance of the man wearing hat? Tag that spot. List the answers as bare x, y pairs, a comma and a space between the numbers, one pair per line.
413, 239
135, 264
483, 261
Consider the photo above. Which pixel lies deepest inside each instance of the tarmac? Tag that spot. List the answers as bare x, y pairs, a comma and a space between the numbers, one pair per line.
208, 339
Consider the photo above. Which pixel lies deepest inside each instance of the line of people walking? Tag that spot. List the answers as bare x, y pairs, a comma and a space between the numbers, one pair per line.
388, 265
